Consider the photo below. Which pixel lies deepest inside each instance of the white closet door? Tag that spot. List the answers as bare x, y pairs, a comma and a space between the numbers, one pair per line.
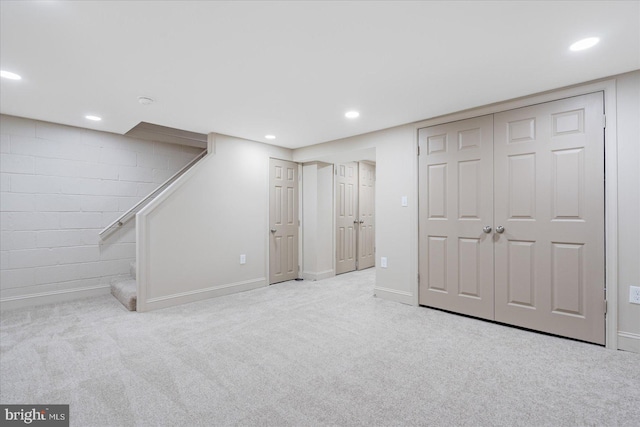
549, 197
456, 204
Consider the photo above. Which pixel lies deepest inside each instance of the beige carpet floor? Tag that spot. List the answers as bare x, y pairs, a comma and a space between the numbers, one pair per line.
307, 354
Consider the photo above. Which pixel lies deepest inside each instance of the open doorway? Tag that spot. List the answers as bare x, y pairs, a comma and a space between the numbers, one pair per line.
338, 216
355, 216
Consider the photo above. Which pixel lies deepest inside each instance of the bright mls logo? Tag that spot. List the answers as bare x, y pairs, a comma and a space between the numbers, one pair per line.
35, 415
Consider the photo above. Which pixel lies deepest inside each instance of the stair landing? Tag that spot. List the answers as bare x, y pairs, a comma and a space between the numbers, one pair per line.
126, 291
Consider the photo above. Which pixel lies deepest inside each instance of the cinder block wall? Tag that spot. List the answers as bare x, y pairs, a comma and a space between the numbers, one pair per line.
60, 186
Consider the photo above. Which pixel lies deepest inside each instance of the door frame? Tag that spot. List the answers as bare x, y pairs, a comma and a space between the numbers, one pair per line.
267, 243
608, 87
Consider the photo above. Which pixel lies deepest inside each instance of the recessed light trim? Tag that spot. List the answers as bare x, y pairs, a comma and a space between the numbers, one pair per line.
9, 75
584, 44
351, 114
270, 136
93, 118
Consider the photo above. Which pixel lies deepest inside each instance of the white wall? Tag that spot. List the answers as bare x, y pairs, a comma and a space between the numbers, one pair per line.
397, 227
628, 128
60, 186
317, 221
191, 237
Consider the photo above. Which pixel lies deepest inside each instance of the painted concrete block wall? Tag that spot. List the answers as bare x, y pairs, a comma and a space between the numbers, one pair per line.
192, 237
60, 186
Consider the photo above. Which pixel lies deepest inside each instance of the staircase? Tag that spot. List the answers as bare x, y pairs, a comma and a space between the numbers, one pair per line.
126, 290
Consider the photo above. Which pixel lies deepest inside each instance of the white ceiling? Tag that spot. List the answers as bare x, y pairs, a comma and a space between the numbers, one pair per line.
292, 69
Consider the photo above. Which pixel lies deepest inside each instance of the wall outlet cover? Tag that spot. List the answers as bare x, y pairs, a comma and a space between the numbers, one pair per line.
243, 259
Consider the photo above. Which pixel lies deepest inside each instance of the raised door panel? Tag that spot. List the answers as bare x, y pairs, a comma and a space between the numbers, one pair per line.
455, 184
283, 221
346, 216
549, 197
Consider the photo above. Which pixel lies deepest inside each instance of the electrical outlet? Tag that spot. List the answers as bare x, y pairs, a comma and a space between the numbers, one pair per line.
634, 294
243, 259
383, 262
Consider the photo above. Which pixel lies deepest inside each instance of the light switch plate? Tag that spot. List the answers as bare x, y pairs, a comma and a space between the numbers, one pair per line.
383, 262
634, 294
243, 259
405, 201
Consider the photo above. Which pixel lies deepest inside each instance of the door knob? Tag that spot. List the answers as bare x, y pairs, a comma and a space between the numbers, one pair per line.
499, 229
361, 221
355, 221
487, 229
273, 230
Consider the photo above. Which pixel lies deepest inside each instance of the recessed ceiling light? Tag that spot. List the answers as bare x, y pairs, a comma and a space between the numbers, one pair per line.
94, 118
584, 44
9, 75
351, 114
145, 100
270, 136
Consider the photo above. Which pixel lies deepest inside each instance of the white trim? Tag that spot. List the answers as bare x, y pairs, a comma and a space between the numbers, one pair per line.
300, 221
200, 294
414, 264
53, 297
393, 295
211, 143
608, 86
318, 275
628, 341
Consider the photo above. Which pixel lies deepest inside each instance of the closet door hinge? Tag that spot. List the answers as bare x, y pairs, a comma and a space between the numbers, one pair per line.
604, 120
418, 150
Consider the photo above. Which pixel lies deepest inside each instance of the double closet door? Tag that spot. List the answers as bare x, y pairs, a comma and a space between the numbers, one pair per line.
511, 217
355, 216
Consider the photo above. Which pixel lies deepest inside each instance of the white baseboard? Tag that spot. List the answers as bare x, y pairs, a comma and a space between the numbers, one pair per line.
318, 275
393, 295
200, 294
52, 297
628, 341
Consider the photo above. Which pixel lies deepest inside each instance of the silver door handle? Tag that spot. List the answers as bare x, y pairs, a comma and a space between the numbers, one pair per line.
355, 221
273, 230
487, 229
499, 229
361, 221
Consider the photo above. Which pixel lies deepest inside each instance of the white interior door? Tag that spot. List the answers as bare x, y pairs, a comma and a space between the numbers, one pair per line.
283, 219
537, 183
366, 213
549, 197
346, 216
456, 204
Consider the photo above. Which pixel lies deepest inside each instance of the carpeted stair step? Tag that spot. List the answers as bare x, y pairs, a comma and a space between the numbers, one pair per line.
132, 269
126, 292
